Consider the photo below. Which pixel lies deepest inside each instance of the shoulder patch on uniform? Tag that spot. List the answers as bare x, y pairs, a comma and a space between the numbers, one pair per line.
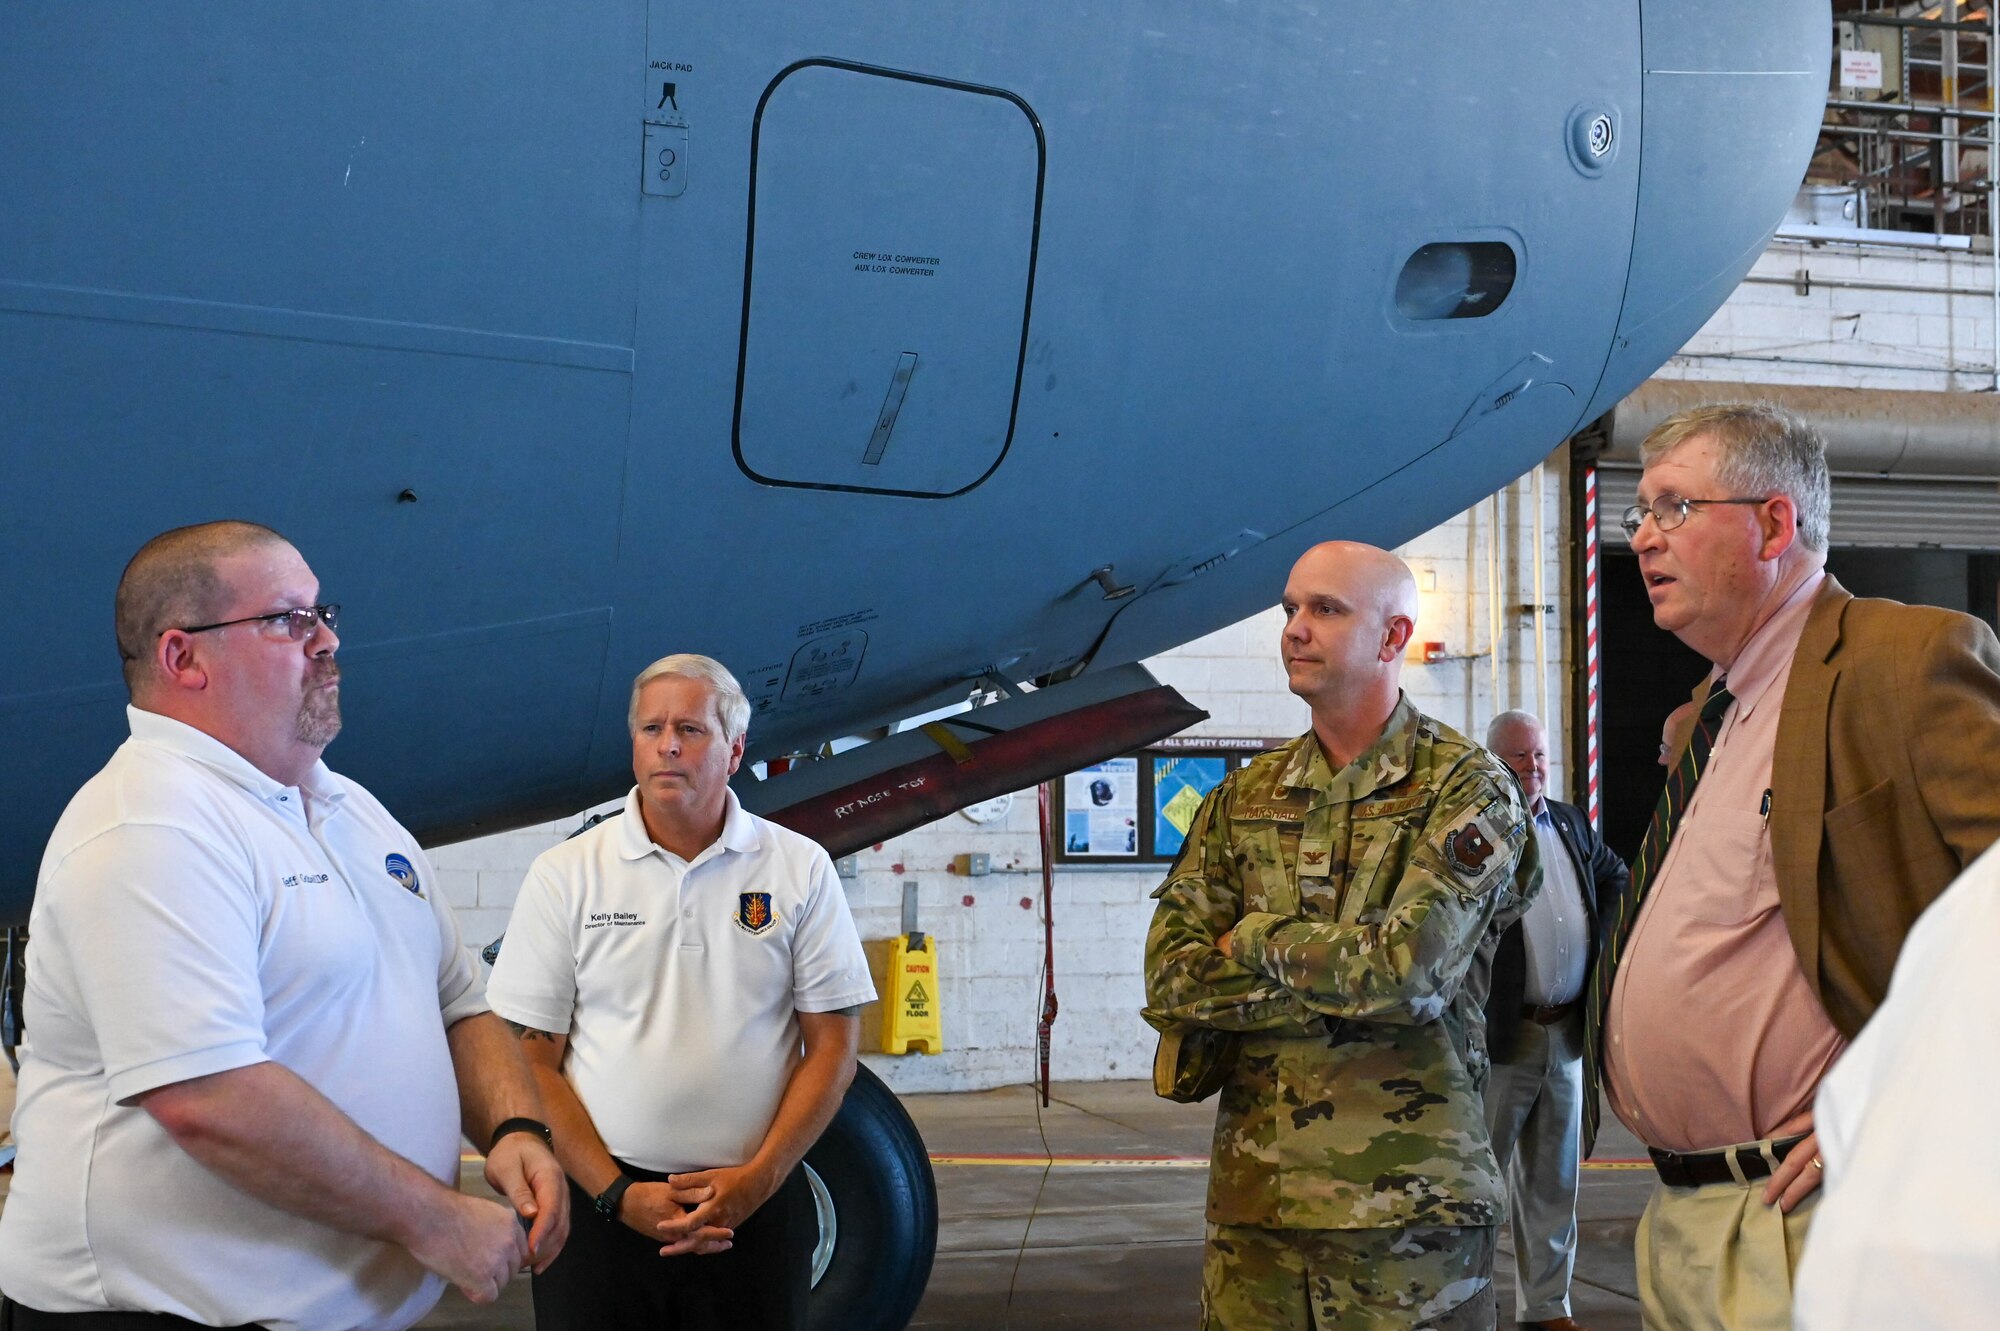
1478, 844
1468, 849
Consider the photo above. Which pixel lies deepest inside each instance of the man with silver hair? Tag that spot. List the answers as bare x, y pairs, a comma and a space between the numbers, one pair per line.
1534, 1030
686, 983
1838, 774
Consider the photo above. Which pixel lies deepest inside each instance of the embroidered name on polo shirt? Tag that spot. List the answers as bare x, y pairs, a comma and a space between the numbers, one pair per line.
615, 919
294, 879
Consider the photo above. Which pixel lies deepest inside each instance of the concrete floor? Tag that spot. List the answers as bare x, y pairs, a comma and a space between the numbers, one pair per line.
1115, 1243
1110, 1235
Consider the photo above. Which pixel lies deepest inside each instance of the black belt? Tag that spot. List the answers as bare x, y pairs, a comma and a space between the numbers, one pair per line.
1549, 1013
1700, 1168
20, 1317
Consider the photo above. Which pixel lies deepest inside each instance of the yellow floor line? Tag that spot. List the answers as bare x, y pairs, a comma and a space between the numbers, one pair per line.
1155, 1162
1077, 1161
1110, 1161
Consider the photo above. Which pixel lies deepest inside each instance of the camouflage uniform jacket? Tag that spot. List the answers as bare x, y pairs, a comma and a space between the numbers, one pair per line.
1367, 904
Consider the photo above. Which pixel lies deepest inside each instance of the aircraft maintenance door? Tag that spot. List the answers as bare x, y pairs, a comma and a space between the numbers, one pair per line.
891, 259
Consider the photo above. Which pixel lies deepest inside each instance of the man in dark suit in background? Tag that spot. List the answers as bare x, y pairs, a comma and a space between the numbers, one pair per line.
1534, 1028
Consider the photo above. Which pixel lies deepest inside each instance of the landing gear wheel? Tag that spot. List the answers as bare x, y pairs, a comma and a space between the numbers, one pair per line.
878, 1213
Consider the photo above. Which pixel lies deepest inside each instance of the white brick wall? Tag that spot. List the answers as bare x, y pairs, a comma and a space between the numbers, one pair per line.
1924, 339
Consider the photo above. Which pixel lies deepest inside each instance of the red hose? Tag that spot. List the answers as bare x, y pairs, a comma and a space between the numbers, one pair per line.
1048, 1021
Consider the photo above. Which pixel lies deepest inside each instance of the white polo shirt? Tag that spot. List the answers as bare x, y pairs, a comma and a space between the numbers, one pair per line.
193, 916
678, 982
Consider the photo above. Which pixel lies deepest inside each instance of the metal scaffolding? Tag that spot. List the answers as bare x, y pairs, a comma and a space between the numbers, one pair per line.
1906, 143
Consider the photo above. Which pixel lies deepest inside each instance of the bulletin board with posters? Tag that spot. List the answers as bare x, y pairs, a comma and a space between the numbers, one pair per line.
1137, 809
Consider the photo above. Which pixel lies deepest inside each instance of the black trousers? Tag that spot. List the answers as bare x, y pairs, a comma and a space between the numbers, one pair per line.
611, 1277
19, 1317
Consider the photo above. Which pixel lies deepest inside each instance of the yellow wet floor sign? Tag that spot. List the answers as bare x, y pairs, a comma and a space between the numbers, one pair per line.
910, 1014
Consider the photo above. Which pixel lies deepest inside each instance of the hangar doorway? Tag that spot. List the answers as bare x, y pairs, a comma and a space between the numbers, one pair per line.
1647, 672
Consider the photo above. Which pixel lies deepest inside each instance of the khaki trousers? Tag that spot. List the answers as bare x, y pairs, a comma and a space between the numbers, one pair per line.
1716, 1258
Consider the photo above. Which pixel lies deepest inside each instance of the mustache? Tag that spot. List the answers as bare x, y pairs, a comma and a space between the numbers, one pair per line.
323, 672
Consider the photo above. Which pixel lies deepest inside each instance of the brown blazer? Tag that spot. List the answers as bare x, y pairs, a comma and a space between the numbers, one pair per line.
1885, 783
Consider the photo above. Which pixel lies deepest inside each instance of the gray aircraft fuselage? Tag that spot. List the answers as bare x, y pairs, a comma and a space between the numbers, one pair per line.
840, 341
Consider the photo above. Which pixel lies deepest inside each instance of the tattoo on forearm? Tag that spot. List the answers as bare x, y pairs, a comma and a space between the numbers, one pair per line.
527, 1032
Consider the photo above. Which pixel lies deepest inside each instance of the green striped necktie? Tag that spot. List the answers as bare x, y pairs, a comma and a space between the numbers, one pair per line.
1616, 917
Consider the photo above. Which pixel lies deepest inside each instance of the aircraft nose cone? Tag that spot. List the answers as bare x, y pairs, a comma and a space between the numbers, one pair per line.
1732, 97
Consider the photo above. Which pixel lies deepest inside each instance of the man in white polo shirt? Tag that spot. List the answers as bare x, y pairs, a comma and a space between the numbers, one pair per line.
252, 1034
685, 980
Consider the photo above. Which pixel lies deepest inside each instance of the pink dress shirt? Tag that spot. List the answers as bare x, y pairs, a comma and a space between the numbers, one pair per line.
1713, 1036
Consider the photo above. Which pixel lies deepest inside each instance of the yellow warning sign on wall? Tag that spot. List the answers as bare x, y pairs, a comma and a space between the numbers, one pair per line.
910, 1019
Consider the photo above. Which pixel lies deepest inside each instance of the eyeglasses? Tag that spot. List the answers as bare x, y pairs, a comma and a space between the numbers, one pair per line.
1670, 511
299, 622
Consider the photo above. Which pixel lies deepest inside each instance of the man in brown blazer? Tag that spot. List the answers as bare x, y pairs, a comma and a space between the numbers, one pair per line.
1842, 766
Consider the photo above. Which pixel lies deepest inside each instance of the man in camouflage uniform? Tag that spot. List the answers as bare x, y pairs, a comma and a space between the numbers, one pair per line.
1336, 906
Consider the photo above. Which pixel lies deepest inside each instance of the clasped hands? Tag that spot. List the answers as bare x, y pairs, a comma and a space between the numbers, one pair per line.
697, 1213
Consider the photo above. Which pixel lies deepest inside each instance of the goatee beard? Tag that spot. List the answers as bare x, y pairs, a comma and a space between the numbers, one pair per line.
319, 710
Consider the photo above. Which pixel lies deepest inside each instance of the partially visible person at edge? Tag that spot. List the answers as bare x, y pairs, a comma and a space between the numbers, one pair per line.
1336, 906
252, 1034
1839, 773
687, 981
1534, 1028
1906, 1236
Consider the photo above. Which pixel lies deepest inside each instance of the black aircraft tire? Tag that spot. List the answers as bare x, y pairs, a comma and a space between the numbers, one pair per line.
878, 1173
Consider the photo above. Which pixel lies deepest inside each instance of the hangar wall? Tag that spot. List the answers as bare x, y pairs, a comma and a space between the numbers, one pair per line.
1854, 316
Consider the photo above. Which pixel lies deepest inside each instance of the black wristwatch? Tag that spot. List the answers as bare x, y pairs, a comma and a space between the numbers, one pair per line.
535, 1126
606, 1203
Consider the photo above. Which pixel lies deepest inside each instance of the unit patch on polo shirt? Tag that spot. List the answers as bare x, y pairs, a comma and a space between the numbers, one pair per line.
404, 872
753, 912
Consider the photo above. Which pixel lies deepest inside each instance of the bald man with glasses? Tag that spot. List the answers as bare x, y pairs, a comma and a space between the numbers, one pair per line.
1837, 774
253, 1035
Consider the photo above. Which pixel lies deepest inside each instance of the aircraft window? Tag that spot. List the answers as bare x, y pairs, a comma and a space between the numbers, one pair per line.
1455, 280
